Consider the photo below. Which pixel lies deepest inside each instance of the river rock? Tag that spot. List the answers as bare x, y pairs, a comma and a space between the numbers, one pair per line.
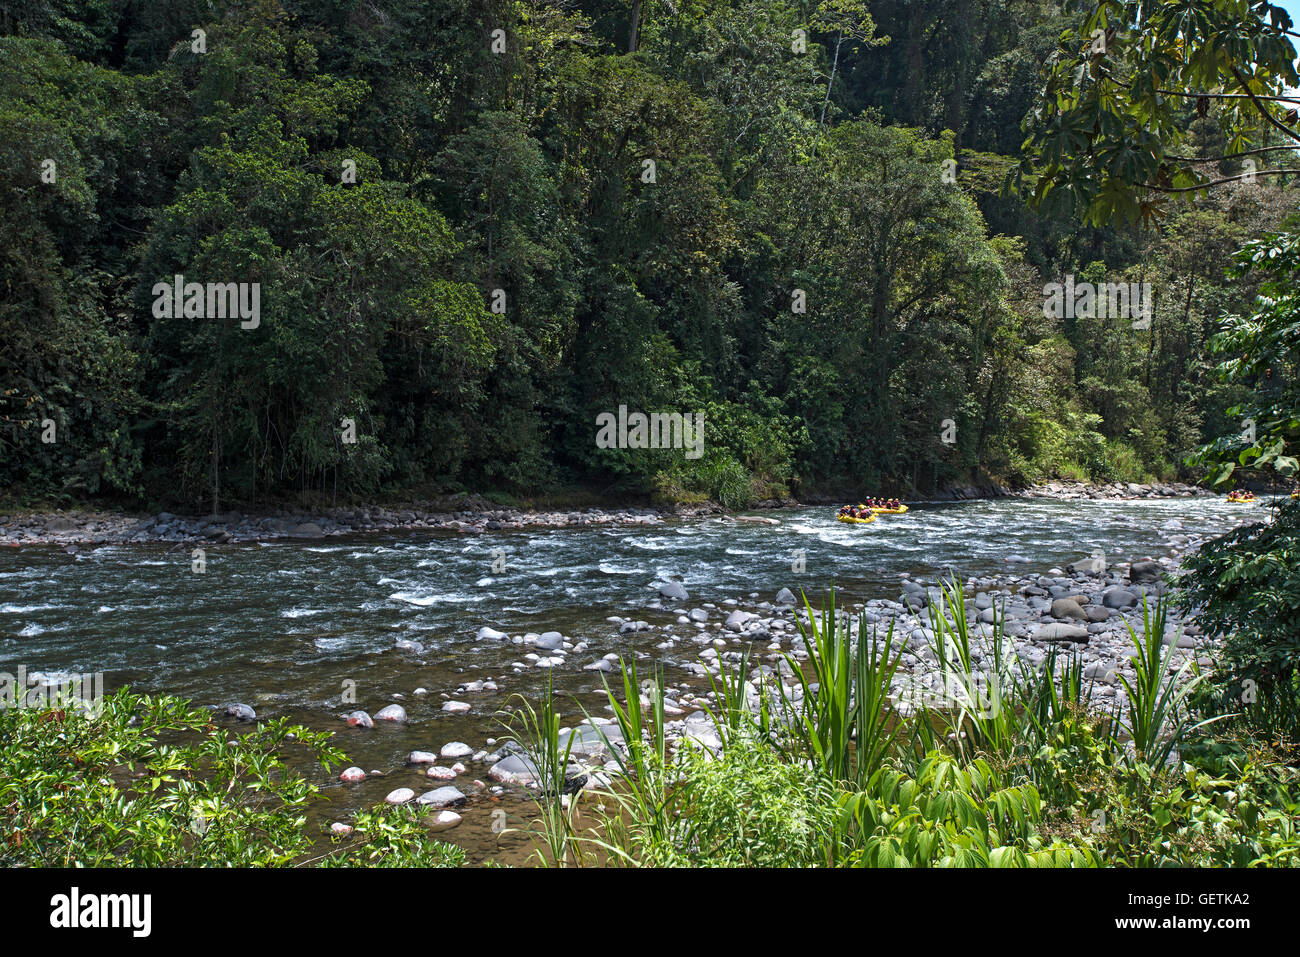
392, 712
438, 772
359, 719
1092, 565
514, 769
241, 712
485, 633
456, 749
737, 620
444, 820
352, 775
674, 590
1141, 572
785, 597
1100, 671
1061, 632
455, 707
306, 530
400, 796
442, 797
549, 640
1068, 608
1117, 597
421, 757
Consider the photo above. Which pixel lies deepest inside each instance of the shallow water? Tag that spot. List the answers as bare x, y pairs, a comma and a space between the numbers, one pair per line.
283, 625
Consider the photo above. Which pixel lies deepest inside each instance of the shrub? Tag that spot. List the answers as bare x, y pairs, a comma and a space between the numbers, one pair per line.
1244, 588
151, 782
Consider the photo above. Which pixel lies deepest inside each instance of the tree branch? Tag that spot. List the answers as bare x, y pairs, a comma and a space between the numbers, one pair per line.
1263, 109
1218, 182
1220, 159
1229, 96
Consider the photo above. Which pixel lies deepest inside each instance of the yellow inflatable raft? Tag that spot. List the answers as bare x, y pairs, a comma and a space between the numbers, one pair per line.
855, 521
890, 511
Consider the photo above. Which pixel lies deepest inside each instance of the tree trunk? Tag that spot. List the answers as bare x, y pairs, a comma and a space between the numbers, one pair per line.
636, 25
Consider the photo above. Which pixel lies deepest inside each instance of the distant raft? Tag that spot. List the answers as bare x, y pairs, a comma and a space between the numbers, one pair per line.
1241, 498
890, 511
855, 521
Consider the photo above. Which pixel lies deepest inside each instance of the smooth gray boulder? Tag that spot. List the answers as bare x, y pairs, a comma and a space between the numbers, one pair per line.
442, 797
549, 641
1061, 632
1117, 597
674, 590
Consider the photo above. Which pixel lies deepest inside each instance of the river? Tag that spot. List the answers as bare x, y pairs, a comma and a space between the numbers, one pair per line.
285, 625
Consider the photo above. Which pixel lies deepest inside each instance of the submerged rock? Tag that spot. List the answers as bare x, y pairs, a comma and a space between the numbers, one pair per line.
444, 820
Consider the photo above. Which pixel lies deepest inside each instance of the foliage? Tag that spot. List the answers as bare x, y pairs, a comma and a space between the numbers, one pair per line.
151, 782
1110, 134
1245, 589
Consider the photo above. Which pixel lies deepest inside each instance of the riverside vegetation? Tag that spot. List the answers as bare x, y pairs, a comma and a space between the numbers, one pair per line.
826, 769
797, 268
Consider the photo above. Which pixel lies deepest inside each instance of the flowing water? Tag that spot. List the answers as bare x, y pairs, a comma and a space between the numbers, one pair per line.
283, 625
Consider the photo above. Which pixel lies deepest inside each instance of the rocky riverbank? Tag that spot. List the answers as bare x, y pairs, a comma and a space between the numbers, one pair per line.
103, 528
1075, 491
463, 514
